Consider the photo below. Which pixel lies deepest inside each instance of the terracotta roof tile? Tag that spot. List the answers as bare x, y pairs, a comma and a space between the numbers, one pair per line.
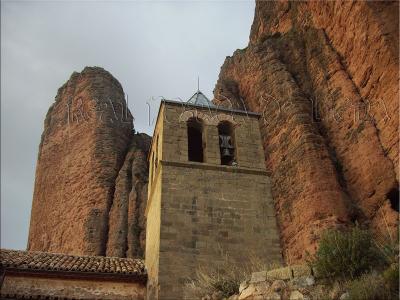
32, 260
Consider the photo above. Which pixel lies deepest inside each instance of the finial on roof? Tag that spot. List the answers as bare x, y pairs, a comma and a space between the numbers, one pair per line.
198, 83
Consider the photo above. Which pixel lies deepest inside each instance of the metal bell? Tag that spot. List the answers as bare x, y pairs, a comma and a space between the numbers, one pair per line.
225, 141
226, 152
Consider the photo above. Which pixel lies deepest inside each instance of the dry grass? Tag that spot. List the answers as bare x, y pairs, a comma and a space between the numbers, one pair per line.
226, 277
370, 287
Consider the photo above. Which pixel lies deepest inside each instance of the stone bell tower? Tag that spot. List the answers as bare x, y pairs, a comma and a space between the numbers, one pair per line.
208, 193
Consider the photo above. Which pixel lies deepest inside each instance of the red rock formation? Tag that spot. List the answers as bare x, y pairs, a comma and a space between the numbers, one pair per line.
325, 76
127, 216
87, 133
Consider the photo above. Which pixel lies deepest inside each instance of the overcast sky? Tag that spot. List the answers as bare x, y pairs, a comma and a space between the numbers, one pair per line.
152, 48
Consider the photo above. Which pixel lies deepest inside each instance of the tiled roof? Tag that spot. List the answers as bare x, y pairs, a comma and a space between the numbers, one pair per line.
44, 261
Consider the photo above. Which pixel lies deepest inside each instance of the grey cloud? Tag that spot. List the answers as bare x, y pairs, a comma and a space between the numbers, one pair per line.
152, 48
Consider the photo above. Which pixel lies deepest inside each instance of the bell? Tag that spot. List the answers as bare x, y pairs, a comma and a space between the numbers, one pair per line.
225, 141
226, 152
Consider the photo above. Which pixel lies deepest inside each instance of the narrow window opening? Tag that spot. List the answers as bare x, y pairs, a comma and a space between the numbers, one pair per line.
393, 197
226, 144
195, 140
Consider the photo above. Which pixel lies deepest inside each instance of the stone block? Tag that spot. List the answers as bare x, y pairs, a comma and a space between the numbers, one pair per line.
301, 270
281, 273
247, 293
258, 277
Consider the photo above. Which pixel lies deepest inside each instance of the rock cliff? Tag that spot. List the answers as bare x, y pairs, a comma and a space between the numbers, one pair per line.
127, 221
324, 76
91, 172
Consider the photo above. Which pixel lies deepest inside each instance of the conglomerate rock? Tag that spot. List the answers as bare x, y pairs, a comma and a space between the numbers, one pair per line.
127, 222
324, 75
87, 133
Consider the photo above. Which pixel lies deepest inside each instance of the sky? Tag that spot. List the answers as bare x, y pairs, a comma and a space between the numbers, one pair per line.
154, 49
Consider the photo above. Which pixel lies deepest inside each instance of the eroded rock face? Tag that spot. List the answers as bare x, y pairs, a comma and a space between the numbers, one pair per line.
127, 216
324, 75
87, 134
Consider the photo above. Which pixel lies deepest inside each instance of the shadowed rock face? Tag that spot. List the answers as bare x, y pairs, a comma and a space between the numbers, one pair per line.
127, 224
87, 143
324, 76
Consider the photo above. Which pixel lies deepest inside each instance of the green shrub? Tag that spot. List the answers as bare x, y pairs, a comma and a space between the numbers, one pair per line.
389, 250
346, 254
369, 287
391, 278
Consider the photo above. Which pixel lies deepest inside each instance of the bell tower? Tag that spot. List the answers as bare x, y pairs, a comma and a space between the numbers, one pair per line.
208, 192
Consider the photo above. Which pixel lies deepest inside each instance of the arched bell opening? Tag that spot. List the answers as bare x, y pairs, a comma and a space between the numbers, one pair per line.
195, 140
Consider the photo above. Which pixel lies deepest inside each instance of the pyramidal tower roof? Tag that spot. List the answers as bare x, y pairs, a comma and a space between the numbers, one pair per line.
200, 99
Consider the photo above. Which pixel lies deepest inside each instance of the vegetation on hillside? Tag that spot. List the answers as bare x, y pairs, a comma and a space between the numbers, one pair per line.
350, 260
369, 268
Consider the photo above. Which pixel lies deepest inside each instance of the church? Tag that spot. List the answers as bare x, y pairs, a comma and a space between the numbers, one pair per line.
209, 193
209, 196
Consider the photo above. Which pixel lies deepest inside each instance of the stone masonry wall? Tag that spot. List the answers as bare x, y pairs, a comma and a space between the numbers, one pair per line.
218, 212
249, 149
42, 287
153, 210
207, 210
